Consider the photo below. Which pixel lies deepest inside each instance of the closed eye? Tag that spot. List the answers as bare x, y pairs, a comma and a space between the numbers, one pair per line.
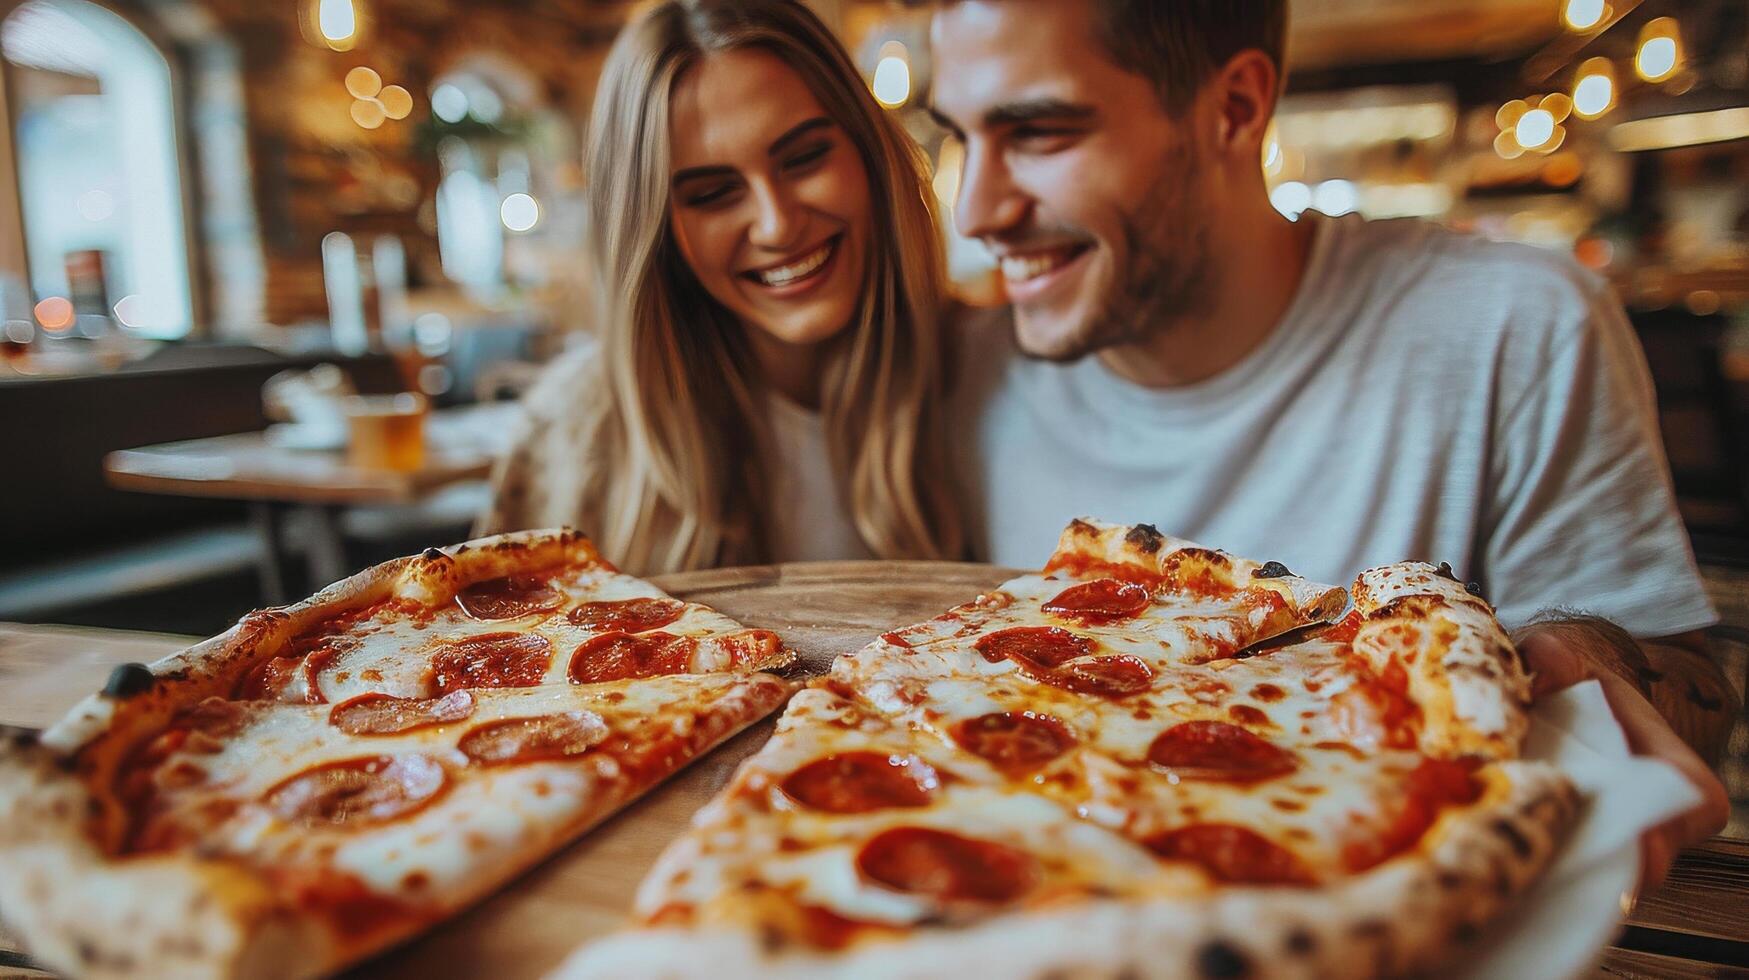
1044, 139
706, 196
808, 157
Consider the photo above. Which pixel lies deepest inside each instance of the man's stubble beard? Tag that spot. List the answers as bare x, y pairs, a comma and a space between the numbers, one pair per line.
1169, 275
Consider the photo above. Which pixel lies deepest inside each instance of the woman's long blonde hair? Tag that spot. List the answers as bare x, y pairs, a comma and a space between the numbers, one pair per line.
682, 480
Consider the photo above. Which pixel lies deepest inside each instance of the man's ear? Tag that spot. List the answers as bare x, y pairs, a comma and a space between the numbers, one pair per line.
1241, 100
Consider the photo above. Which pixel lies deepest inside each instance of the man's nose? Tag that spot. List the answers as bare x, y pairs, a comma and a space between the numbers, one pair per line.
989, 204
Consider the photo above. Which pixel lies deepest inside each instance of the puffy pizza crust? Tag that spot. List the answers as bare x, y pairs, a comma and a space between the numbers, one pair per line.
1151, 555
1402, 916
1466, 677
177, 914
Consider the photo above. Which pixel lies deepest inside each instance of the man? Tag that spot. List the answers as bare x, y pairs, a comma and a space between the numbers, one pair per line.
1331, 393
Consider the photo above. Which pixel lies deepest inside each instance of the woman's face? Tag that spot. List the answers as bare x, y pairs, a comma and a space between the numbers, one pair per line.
770, 198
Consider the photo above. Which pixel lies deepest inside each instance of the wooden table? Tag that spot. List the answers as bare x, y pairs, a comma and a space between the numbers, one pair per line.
316, 485
1697, 925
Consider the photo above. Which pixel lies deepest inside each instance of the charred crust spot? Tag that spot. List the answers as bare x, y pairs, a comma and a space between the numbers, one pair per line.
1475, 589
1514, 838
431, 554
1416, 606
1272, 569
1081, 527
1500, 880
771, 939
1219, 960
1444, 571
1300, 942
1145, 538
127, 680
1464, 933
1449, 880
1370, 929
87, 951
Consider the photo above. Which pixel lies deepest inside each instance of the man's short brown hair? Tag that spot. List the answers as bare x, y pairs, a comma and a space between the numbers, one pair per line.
1179, 44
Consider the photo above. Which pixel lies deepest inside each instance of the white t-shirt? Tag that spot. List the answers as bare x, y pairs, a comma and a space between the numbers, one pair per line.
810, 517
1428, 395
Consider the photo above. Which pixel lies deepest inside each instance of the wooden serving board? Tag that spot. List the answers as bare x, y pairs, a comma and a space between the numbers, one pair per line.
821, 609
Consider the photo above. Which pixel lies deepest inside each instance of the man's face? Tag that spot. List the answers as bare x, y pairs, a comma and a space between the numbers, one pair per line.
1076, 176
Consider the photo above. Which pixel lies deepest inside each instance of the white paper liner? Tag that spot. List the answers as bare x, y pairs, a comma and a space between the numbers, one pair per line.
1560, 927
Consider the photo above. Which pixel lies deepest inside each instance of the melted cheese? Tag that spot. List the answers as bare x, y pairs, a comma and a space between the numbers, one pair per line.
391, 651
485, 823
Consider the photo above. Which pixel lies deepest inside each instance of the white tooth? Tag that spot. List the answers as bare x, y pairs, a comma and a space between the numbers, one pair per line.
785, 274
1020, 268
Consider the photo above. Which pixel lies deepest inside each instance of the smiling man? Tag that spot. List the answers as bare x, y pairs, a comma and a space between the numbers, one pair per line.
1331, 393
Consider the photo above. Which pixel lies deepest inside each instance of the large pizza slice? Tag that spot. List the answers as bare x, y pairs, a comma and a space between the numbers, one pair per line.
1105, 769
329, 778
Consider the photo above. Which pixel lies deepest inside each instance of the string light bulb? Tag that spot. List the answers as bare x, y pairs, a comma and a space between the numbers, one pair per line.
892, 76
1534, 129
363, 83
1583, 15
337, 23
1660, 51
1594, 90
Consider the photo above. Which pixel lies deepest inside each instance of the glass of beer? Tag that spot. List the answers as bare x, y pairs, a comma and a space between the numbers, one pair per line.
386, 432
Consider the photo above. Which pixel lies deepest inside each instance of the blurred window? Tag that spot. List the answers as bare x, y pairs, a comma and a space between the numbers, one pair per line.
94, 123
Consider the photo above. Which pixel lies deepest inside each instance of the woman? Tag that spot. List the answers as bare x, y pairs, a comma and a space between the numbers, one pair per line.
766, 384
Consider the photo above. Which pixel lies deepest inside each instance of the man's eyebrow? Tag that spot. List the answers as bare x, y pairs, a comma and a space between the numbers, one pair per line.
1033, 110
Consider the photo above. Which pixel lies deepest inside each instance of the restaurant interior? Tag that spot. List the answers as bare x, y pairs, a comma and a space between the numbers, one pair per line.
220, 218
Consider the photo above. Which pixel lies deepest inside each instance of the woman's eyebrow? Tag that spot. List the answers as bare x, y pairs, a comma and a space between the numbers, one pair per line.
698, 173
796, 132
778, 145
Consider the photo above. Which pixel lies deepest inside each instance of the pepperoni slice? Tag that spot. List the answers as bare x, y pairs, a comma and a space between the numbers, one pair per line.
1232, 854
269, 680
511, 597
1105, 600
857, 782
1041, 647
1371, 715
1217, 750
1432, 786
492, 660
627, 615
536, 739
622, 656
1014, 741
1345, 630
382, 714
1105, 677
370, 790
946, 867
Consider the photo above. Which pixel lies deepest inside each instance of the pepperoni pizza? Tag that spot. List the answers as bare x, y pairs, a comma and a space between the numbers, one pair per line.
1107, 769
328, 778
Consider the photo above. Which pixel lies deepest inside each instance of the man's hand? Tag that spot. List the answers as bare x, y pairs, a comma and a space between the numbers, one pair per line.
1563, 652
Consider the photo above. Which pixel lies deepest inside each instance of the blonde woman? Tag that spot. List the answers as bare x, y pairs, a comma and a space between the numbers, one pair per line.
765, 385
